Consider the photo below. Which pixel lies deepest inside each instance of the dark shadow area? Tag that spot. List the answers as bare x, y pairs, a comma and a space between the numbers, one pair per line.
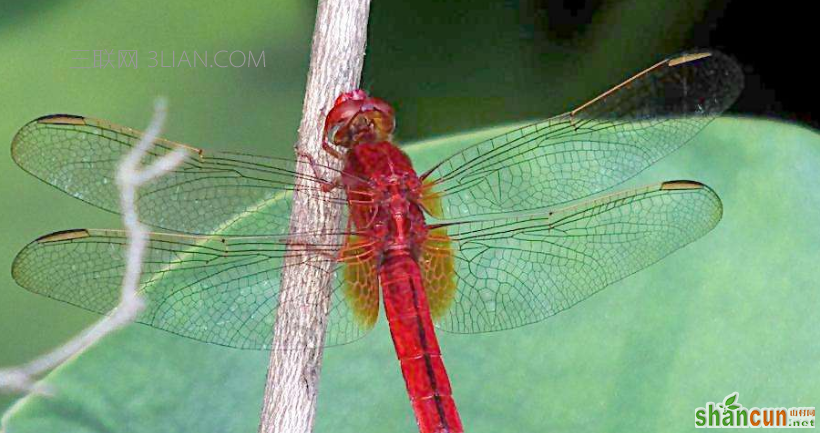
775, 44
507, 60
18, 11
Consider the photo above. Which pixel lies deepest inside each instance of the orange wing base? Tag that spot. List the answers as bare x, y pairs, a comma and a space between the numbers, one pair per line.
437, 265
431, 200
361, 282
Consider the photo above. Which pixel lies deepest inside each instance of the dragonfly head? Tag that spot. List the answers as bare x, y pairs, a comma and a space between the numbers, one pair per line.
358, 118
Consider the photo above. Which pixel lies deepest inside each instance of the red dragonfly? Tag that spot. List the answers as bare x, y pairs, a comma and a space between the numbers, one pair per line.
497, 236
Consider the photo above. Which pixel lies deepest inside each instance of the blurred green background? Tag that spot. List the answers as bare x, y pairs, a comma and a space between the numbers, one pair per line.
733, 312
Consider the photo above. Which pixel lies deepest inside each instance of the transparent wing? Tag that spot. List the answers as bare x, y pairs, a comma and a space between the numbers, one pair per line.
218, 290
592, 148
515, 271
219, 192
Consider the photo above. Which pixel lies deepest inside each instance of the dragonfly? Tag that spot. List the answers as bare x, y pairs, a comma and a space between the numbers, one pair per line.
504, 233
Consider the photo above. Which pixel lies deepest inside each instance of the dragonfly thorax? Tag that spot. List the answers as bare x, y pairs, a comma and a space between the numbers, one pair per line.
385, 192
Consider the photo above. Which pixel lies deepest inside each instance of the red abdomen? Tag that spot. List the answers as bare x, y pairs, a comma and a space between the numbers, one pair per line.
411, 326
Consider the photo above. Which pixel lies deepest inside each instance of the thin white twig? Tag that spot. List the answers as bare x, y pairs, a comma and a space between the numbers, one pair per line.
130, 177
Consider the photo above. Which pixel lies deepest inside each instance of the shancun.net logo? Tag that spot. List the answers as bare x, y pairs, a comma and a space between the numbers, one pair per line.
731, 414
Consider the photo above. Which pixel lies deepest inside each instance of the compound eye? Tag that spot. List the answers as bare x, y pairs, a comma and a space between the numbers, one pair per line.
338, 118
330, 136
338, 134
354, 95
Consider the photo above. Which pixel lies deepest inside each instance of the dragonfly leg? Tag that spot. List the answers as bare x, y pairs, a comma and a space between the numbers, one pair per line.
327, 185
333, 152
351, 249
316, 249
333, 254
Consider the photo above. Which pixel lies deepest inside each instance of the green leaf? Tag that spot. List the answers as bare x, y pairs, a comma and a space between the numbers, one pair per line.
667, 323
730, 399
734, 406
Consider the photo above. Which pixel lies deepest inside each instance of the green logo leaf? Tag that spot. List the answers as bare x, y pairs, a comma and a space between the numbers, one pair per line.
728, 402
